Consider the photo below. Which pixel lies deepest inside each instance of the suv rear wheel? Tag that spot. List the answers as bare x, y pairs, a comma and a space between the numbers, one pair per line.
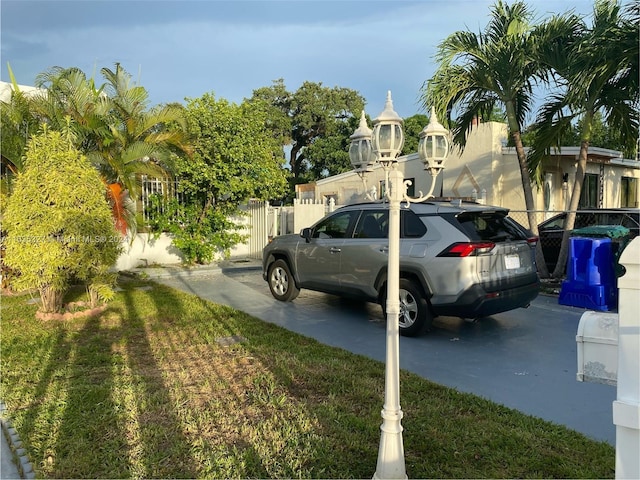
281, 283
415, 314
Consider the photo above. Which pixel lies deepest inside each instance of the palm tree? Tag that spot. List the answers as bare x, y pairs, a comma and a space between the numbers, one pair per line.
140, 141
494, 68
66, 94
113, 126
70, 101
598, 75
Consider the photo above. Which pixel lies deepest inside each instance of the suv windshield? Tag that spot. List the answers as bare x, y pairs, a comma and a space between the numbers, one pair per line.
490, 226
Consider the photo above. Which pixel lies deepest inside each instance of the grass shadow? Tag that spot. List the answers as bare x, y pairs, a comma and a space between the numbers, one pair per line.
167, 385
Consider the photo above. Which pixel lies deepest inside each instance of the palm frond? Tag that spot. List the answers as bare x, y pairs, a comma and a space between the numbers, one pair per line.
552, 124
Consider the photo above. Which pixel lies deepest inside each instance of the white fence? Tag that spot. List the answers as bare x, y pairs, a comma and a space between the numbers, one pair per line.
263, 223
259, 227
306, 212
609, 353
626, 407
292, 219
280, 220
267, 222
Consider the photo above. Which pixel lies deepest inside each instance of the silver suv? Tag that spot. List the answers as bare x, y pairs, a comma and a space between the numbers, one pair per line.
456, 259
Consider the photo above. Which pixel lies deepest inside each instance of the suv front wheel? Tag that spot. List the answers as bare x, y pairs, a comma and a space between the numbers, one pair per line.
415, 314
281, 283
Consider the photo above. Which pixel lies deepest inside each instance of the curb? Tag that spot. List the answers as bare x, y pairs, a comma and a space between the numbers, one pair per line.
241, 268
19, 454
171, 271
180, 271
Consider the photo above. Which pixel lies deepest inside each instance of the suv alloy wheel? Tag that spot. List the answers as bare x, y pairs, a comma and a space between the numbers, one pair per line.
281, 282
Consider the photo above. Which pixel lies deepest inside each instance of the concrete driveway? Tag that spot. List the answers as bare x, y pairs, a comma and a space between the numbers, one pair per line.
524, 359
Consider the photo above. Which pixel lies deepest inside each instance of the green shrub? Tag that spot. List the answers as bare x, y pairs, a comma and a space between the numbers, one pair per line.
59, 224
198, 233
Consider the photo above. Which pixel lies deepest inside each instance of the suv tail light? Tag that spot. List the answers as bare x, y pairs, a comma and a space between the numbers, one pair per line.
467, 249
532, 241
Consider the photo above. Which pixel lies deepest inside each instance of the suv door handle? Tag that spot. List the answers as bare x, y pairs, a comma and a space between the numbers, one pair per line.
335, 250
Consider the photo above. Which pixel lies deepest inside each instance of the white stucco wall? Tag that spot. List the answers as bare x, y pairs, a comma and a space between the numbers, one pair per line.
565, 163
145, 251
6, 89
480, 165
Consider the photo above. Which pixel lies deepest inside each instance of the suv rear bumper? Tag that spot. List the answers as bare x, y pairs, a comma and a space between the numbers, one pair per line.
477, 302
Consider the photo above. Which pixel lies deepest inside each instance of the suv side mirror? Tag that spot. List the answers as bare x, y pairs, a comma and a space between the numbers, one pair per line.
306, 234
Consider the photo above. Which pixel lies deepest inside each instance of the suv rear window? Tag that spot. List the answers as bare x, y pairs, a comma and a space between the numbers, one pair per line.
490, 226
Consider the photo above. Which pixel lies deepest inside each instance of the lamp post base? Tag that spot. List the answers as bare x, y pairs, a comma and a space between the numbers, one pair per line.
391, 450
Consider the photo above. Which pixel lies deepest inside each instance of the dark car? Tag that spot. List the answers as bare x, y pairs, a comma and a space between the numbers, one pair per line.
550, 231
463, 259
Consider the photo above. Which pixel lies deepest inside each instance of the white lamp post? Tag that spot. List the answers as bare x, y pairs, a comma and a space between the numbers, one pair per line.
386, 142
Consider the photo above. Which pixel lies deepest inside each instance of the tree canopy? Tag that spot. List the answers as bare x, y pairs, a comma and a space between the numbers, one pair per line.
412, 128
236, 157
313, 113
112, 124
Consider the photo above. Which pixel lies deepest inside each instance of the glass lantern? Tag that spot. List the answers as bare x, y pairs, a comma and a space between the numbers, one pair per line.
433, 146
388, 137
360, 150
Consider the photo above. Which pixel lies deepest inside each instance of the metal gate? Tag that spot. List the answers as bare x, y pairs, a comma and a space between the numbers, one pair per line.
258, 227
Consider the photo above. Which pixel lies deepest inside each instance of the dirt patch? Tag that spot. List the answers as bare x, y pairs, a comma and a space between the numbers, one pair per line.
72, 311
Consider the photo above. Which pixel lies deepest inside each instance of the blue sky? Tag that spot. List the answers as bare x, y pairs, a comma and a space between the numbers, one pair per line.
178, 49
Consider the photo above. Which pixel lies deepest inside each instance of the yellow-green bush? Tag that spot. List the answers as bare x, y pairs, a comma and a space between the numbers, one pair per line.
58, 222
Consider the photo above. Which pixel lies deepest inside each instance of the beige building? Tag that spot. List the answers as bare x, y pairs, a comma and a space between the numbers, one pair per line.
488, 170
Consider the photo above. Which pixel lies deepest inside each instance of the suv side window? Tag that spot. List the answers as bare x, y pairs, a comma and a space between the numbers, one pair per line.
335, 226
375, 224
371, 224
410, 225
584, 219
556, 224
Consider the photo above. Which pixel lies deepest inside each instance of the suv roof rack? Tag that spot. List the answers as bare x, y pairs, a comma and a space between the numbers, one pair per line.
453, 201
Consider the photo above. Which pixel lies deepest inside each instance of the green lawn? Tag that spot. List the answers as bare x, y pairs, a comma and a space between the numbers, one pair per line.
166, 385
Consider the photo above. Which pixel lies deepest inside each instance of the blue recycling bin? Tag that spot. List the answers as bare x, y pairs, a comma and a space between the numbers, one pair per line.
592, 268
